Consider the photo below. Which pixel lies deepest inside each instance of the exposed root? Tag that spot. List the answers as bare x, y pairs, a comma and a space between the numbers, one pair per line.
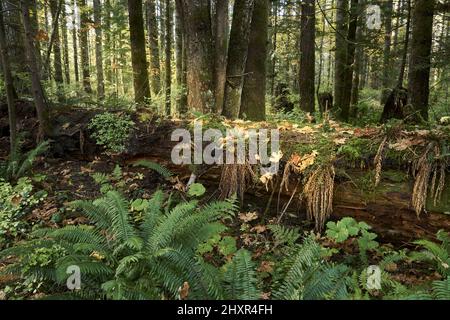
234, 180
318, 192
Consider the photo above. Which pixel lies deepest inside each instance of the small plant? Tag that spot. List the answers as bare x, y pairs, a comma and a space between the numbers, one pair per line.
437, 253
348, 227
19, 163
15, 202
111, 130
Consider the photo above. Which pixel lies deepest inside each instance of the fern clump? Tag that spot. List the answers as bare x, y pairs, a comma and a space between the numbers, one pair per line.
120, 259
19, 164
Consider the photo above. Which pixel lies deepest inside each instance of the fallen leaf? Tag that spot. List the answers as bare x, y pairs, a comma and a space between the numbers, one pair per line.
248, 216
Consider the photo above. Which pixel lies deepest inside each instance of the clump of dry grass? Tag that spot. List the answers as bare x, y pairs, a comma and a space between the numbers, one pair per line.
234, 180
318, 193
428, 166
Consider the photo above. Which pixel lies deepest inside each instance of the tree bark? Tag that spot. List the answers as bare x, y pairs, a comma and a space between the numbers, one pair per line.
9, 85
152, 28
221, 47
75, 43
65, 42
99, 49
237, 57
341, 52
138, 54
57, 65
180, 49
420, 59
253, 105
307, 56
168, 57
387, 66
84, 31
199, 55
38, 92
350, 58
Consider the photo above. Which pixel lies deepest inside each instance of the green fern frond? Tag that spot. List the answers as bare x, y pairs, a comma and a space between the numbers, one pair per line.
163, 171
240, 277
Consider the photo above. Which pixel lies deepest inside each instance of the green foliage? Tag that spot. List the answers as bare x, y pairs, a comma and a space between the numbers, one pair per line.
305, 275
348, 227
163, 171
111, 130
439, 254
284, 235
124, 260
196, 190
240, 277
16, 201
19, 164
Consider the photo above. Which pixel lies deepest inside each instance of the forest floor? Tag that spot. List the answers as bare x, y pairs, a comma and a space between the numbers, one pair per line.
69, 176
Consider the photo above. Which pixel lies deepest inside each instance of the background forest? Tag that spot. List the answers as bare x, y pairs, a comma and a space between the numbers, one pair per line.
92, 89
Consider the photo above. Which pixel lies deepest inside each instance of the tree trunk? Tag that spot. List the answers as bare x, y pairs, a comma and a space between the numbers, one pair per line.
307, 56
359, 57
84, 31
99, 49
387, 66
9, 85
74, 43
420, 60
237, 57
341, 52
179, 55
253, 105
65, 42
38, 92
405, 46
168, 57
152, 28
138, 55
199, 55
56, 41
348, 71
221, 47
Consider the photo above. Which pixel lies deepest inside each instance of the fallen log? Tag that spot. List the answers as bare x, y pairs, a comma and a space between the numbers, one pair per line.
387, 207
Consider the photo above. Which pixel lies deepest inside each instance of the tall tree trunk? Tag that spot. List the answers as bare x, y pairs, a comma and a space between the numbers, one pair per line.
65, 42
138, 55
359, 57
387, 65
253, 105
152, 28
199, 55
99, 49
55, 9
273, 56
9, 85
405, 46
35, 23
341, 52
75, 42
179, 55
420, 59
350, 57
307, 56
107, 24
221, 31
84, 31
237, 57
168, 57
38, 92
